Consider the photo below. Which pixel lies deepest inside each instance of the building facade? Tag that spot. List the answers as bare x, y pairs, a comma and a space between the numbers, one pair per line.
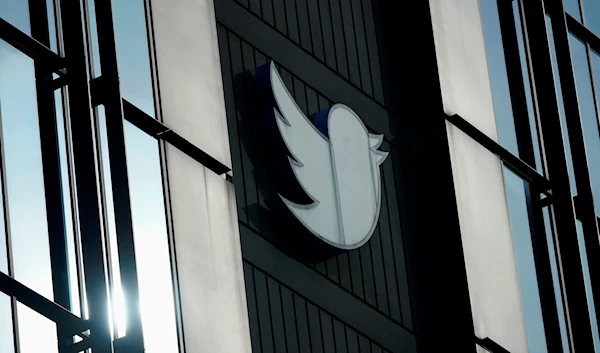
140, 193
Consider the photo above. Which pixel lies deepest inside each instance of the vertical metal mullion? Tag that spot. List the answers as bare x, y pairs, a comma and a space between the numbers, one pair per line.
51, 170
541, 255
85, 171
7, 234
112, 101
70, 170
586, 213
563, 211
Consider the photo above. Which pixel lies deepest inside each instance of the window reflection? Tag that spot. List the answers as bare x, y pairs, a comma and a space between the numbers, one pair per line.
588, 286
16, 12
6, 327
572, 8
25, 190
151, 242
133, 55
519, 219
561, 107
498, 75
587, 109
591, 10
499, 80
562, 323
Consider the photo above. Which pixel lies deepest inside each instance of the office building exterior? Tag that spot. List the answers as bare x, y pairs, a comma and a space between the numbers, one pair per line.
141, 206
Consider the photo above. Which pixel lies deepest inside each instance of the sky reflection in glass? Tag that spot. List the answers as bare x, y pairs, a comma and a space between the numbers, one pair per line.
521, 232
25, 188
145, 180
591, 11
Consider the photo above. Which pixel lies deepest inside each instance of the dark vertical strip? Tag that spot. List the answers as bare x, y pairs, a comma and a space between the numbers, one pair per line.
51, 170
118, 173
292, 20
332, 269
262, 179
392, 197
327, 31
264, 312
362, 47
254, 6
389, 266
314, 328
232, 125
339, 334
344, 271
267, 10
87, 188
302, 324
274, 292
289, 318
356, 273
364, 344
252, 308
8, 238
338, 37
371, 38
327, 329
280, 17
563, 212
351, 52
367, 274
248, 135
381, 289
235, 50
352, 341
315, 28
304, 25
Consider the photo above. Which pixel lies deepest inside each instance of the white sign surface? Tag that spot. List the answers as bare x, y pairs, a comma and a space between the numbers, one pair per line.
336, 162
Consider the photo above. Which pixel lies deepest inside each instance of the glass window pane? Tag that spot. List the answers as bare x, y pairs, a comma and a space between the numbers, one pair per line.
587, 109
25, 190
499, 80
572, 8
6, 326
133, 54
16, 12
151, 242
591, 10
521, 231
562, 322
561, 107
588, 286
498, 75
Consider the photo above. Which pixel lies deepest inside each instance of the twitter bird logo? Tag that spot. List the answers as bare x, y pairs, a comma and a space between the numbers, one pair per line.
334, 161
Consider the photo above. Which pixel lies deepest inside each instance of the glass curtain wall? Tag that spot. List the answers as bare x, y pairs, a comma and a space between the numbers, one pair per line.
89, 234
515, 60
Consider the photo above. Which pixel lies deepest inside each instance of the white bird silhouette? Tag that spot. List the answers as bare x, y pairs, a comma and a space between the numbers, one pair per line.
336, 162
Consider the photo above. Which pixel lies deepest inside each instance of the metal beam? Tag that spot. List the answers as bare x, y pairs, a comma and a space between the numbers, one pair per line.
32, 48
519, 167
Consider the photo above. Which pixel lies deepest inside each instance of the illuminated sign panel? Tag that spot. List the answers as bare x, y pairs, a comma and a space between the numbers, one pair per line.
327, 170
